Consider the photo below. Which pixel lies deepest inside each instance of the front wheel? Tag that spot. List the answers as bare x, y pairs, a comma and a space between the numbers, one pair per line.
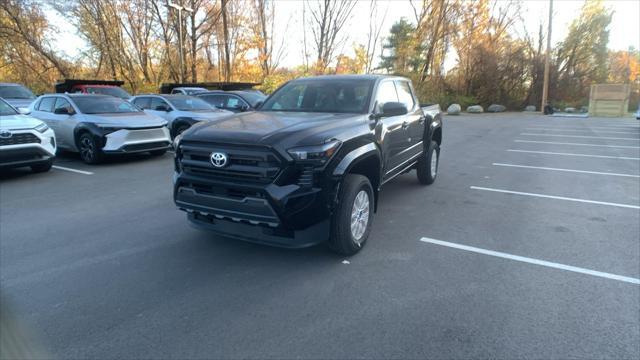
427, 168
89, 151
351, 222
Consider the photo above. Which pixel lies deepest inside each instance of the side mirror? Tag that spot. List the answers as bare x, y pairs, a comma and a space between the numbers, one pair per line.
62, 111
24, 111
393, 108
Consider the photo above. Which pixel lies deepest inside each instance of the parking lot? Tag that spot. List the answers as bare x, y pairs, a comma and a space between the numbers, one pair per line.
527, 246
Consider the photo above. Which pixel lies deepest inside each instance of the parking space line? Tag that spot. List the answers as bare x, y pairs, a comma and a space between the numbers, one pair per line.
589, 127
565, 170
577, 144
72, 170
571, 154
533, 261
582, 130
582, 136
628, 206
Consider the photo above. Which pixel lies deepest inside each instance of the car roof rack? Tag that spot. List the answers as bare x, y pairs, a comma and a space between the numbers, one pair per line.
65, 85
166, 88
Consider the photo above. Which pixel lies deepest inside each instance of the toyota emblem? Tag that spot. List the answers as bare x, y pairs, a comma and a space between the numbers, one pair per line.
4, 134
218, 159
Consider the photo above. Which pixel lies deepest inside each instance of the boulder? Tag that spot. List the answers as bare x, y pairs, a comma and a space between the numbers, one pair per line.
475, 109
530, 108
454, 109
584, 109
570, 110
496, 108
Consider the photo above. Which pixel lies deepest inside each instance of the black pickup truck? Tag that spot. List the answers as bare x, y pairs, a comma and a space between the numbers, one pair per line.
308, 165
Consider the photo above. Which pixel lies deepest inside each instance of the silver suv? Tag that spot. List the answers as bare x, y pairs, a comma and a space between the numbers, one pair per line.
95, 125
180, 111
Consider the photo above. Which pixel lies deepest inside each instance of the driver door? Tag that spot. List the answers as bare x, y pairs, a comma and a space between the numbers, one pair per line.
393, 134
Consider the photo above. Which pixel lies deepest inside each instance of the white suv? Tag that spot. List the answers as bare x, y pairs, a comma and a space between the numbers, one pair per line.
24, 140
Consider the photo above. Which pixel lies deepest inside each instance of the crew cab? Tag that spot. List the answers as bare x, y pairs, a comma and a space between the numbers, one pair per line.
97, 87
99, 125
24, 141
180, 111
307, 166
235, 100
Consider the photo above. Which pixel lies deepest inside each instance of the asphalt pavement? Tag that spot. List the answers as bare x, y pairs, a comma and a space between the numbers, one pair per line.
527, 246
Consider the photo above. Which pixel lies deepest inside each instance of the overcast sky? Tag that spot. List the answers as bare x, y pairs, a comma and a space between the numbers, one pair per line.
624, 29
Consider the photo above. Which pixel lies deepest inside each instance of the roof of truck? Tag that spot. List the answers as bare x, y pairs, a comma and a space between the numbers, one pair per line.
352, 77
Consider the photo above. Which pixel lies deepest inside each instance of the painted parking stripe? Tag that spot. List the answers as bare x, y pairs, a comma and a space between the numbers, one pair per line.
533, 261
583, 130
565, 170
588, 126
582, 136
628, 206
572, 154
577, 144
72, 170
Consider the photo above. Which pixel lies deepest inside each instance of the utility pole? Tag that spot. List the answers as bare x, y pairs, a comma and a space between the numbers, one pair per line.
180, 9
545, 85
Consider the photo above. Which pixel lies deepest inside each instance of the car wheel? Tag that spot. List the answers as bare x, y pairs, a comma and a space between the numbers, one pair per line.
89, 151
158, 152
351, 222
42, 167
427, 168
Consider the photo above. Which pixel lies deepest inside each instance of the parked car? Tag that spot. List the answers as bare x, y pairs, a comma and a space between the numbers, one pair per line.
308, 165
180, 111
188, 90
234, 101
16, 95
638, 113
96, 87
24, 140
98, 125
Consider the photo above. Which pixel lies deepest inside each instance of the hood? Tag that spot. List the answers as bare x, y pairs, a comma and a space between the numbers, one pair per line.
129, 120
22, 103
207, 115
15, 122
272, 128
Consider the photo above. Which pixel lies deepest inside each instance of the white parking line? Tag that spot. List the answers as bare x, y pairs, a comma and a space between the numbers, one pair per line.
582, 136
72, 170
583, 130
565, 170
556, 197
577, 144
587, 126
533, 261
571, 154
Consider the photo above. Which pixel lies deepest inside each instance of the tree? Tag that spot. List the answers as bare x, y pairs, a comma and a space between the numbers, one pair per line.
328, 17
263, 33
402, 50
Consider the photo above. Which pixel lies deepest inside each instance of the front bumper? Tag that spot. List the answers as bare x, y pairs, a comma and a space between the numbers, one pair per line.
133, 141
25, 154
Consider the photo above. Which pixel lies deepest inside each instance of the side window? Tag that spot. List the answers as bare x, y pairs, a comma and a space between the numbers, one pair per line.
62, 103
386, 93
404, 94
235, 102
218, 101
158, 104
143, 103
46, 104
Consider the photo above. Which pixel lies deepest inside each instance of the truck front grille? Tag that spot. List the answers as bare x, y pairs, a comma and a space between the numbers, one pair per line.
258, 165
23, 138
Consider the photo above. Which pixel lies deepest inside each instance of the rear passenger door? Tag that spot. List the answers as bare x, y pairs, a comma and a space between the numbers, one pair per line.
65, 124
414, 118
43, 110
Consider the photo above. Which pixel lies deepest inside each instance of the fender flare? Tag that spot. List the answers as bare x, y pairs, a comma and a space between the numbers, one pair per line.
93, 129
354, 156
179, 121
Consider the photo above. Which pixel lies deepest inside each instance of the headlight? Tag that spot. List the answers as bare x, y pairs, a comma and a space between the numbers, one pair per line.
41, 128
318, 154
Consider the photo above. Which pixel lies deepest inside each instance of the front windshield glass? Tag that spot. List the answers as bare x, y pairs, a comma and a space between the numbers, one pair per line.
6, 110
16, 92
330, 96
103, 105
189, 103
194, 91
113, 91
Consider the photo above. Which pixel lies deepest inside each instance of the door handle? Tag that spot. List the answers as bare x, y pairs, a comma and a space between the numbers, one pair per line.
405, 124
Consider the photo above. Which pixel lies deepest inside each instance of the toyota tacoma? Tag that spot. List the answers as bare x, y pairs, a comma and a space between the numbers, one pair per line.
307, 166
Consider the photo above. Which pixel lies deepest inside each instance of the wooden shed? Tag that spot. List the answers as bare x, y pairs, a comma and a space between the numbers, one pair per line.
610, 100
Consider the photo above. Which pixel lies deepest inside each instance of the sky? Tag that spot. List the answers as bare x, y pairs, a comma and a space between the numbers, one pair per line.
624, 29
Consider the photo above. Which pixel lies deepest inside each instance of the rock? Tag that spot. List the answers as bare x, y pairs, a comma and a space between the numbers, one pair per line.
570, 110
454, 109
530, 108
475, 109
584, 109
496, 108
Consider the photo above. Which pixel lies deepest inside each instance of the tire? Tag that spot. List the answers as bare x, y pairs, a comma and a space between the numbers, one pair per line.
158, 152
356, 199
89, 151
42, 167
427, 168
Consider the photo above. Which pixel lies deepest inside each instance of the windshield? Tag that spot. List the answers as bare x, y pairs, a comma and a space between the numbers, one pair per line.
194, 91
253, 97
189, 103
113, 91
103, 105
330, 96
16, 92
6, 110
